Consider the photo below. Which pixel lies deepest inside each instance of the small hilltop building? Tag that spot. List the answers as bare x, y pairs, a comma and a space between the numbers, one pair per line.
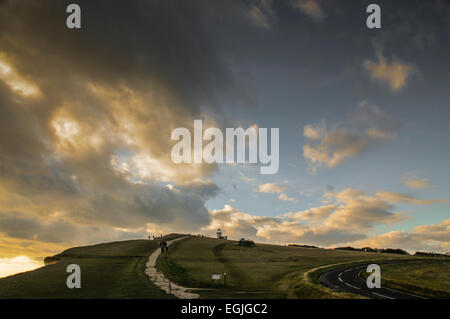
219, 235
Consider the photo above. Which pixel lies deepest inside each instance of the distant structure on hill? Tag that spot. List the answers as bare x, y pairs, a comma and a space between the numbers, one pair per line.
431, 254
303, 246
50, 260
219, 235
246, 243
368, 249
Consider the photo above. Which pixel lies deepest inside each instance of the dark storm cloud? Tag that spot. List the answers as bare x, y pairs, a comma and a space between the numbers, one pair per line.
148, 66
14, 224
158, 41
204, 190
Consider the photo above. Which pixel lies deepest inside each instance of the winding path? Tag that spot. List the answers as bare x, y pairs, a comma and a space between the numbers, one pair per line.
162, 282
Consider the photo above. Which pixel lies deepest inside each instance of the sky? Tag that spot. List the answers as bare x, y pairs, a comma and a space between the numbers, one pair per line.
86, 117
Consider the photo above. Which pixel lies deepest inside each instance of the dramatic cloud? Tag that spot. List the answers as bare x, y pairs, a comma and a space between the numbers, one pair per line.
348, 220
261, 13
15, 81
394, 74
366, 127
309, 7
86, 117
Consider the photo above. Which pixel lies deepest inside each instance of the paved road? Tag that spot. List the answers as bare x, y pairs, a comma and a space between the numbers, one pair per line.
348, 280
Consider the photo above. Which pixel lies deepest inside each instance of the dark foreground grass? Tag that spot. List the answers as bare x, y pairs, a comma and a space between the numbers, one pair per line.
112, 270
264, 271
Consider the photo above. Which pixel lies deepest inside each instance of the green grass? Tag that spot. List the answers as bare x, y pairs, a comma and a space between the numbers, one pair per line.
264, 271
426, 277
116, 270
112, 270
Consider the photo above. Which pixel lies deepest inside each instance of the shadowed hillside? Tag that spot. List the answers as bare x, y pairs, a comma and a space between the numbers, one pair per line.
109, 270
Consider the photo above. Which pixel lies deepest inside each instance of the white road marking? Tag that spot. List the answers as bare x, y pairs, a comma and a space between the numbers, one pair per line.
361, 278
383, 296
351, 285
340, 279
377, 294
404, 293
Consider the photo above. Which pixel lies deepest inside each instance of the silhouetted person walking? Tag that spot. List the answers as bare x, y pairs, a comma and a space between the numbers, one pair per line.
163, 246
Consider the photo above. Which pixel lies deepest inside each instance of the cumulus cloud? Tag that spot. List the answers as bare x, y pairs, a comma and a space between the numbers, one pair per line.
437, 232
412, 181
311, 8
417, 183
434, 237
366, 127
313, 214
396, 197
336, 146
360, 212
276, 188
271, 188
286, 198
394, 74
347, 220
351, 215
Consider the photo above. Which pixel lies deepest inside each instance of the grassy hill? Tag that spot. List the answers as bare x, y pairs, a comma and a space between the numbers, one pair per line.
110, 270
116, 270
264, 271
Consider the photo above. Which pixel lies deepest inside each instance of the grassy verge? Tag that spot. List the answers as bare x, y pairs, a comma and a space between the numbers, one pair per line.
425, 277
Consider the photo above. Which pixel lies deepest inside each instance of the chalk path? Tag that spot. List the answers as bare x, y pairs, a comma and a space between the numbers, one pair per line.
162, 282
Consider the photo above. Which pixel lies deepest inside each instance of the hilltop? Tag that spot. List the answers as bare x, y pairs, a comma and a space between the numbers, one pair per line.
109, 270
